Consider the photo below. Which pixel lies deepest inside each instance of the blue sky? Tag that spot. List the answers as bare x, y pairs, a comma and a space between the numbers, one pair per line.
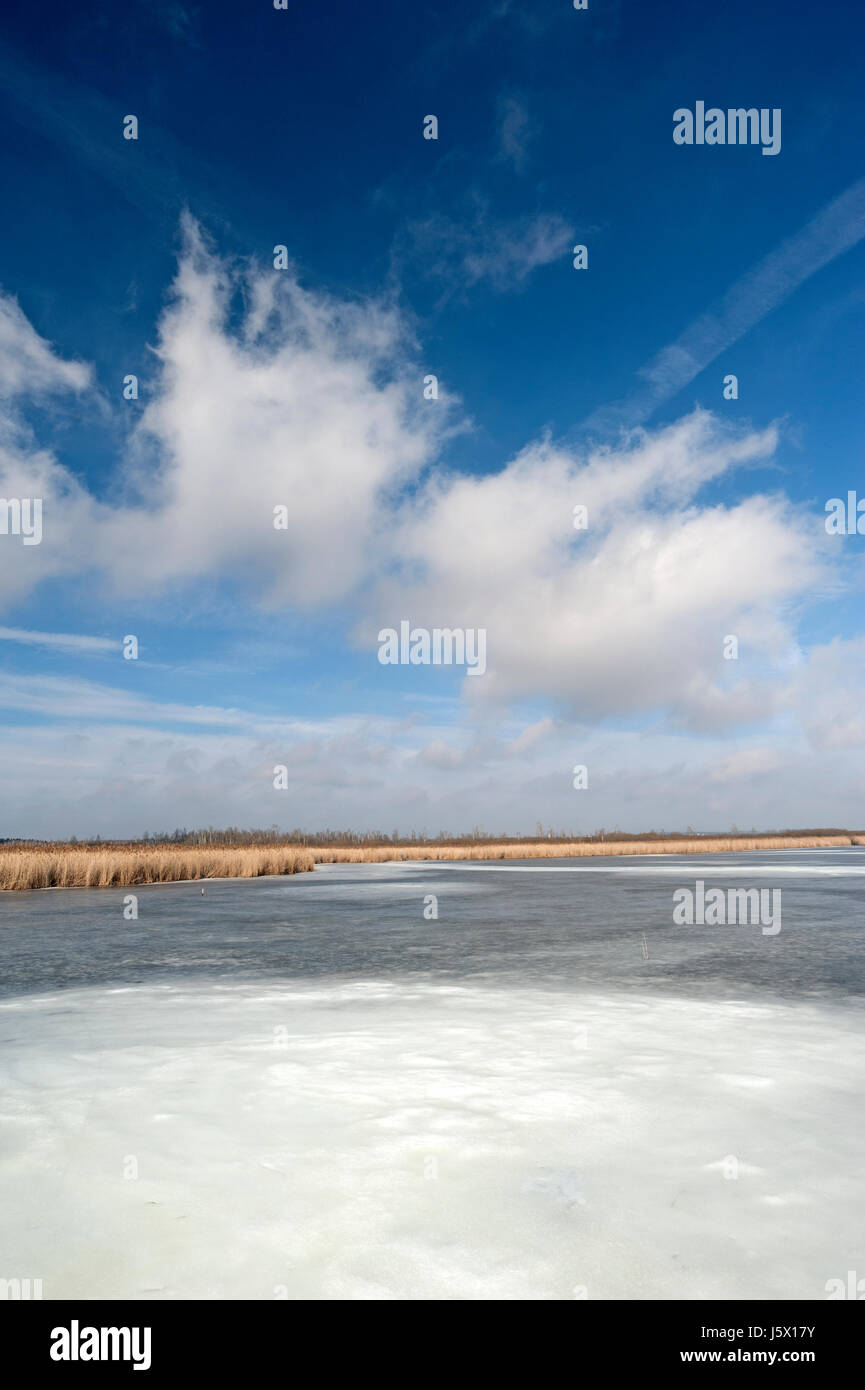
259, 387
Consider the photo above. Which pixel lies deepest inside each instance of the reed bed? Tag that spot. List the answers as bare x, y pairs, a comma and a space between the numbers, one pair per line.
98, 866
581, 849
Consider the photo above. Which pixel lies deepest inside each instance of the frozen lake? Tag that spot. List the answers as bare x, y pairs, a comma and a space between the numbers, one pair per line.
304, 1088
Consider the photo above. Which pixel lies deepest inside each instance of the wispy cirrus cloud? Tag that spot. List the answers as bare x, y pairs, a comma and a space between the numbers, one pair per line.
515, 132
835, 229
162, 176
59, 641
74, 698
482, 249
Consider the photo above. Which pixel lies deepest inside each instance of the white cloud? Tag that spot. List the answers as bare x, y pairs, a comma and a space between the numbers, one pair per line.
515, 130
86, 775
314, 404
69, 516
483, 249
442, 755
532, 735
28, 364
270, 393
630, 614
71, 697
828, 691
60, 641
836, 228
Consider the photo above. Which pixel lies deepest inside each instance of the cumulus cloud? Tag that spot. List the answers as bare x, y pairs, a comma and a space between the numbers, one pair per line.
629, 614
828, 691
442, 755
109, 765
28, 364
531, 735
312, 403
269, 394
31, 371
69, 515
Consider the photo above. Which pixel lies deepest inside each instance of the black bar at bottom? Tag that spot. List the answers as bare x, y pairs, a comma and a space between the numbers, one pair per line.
218, 1339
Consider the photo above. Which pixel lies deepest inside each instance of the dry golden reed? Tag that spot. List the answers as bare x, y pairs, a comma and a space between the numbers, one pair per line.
96, 866
581, 849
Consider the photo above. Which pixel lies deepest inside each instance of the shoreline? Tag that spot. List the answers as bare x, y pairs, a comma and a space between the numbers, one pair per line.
29, 869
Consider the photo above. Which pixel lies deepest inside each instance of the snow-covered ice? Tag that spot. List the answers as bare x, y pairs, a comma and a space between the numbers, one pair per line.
385, 1140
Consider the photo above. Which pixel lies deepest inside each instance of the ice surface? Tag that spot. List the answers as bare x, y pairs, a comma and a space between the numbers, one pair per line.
424, 1140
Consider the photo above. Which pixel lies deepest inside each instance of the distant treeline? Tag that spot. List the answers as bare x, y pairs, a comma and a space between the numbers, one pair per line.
350, 839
